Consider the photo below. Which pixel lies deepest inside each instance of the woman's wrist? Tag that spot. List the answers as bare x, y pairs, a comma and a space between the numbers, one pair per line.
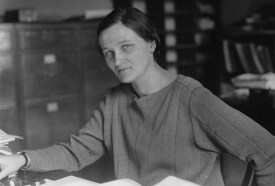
27, 160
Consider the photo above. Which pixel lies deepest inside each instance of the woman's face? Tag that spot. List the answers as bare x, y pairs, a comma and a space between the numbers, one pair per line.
126, 54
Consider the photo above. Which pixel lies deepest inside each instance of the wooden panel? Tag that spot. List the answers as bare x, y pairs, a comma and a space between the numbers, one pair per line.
49, 74
7, 78
51, 122
46, 36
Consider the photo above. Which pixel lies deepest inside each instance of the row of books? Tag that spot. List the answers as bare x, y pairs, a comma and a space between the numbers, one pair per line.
247, 58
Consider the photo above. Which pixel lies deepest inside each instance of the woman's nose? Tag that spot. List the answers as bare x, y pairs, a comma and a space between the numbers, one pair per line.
118, 58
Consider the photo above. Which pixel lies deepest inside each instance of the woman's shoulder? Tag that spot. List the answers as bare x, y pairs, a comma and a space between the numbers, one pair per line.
118, 90
188, 83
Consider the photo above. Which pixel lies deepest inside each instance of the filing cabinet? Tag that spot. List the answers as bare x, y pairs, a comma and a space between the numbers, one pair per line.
41, 36
8, 107
60, 74
98, 78
7, 78
51, 78
51, 121
9, 123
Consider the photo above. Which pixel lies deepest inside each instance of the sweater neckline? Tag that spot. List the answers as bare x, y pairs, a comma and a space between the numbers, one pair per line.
160, 92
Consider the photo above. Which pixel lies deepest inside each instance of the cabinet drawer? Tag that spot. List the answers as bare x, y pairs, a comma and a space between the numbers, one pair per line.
87, 36
51, 122
6, 38
49, 74
7, 78
98, 80
47, 37
10, 125
98, 77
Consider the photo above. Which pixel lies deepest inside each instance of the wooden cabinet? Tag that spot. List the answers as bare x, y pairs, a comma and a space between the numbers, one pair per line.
7, 78
46, 36
49, 73
50, 122
51, 78
8, 84
98, 78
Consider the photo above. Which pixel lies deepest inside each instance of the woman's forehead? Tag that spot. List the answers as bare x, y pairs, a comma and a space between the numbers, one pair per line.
117, 33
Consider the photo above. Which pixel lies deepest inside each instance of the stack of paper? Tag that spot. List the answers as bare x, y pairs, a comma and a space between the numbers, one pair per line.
255, 81
5, 139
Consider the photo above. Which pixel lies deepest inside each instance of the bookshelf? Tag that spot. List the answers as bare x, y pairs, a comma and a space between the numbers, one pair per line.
250, 54
187, 29
247, 51
189, 32
255, 51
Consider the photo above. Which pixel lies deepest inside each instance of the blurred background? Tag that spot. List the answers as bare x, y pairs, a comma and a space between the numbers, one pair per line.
52, 77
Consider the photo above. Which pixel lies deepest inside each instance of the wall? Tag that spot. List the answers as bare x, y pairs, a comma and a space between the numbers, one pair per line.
234, 10
56, 9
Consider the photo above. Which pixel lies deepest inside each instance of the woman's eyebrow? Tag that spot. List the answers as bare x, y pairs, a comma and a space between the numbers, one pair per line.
124, 41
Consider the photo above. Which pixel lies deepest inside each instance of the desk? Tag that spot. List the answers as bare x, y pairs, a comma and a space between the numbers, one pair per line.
31, 178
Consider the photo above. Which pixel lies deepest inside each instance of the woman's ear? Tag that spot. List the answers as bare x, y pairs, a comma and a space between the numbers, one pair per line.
153, 46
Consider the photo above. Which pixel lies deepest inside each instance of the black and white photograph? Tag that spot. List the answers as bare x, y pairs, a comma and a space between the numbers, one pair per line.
137, 92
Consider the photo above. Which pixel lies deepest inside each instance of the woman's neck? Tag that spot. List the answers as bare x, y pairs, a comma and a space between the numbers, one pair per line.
155, 81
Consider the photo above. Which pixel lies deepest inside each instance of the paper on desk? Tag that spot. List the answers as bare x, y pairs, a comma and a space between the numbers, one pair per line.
71, 181
172, 180
76, 181
121, 182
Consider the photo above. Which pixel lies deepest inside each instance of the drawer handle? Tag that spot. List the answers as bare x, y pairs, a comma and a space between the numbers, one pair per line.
52, 107
49, 58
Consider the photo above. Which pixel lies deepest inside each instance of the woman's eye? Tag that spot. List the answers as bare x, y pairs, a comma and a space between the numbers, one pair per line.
126, 47
108, 54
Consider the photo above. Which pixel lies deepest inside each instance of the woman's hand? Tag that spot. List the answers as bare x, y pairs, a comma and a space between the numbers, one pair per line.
10, 164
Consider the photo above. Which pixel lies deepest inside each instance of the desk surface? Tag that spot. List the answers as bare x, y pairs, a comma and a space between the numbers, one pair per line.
30, 178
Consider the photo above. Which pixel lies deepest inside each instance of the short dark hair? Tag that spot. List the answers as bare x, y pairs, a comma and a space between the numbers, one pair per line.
135, 20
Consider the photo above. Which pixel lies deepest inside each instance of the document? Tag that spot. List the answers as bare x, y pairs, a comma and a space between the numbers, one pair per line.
70, 181
76, 181
5, 139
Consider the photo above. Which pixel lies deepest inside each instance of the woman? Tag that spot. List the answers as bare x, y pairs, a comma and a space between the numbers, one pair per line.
155, 124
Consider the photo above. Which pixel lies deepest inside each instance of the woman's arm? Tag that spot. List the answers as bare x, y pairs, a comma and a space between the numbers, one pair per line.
232, 131
82, 149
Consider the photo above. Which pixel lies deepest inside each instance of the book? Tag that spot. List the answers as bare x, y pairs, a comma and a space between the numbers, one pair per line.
246, 59
76, 181
265, 58
256, 59
268, 58
231, 58
255, 81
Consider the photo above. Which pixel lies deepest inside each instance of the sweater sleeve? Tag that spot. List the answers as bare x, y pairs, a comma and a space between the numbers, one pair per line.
82, 148
228, 129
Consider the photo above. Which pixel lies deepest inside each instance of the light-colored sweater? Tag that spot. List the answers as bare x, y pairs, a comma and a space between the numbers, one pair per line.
180, 130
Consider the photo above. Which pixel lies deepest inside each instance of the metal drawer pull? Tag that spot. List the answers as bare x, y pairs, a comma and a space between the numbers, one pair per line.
49, 58
52, 107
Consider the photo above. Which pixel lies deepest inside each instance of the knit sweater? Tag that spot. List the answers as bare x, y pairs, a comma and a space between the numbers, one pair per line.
180, 130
